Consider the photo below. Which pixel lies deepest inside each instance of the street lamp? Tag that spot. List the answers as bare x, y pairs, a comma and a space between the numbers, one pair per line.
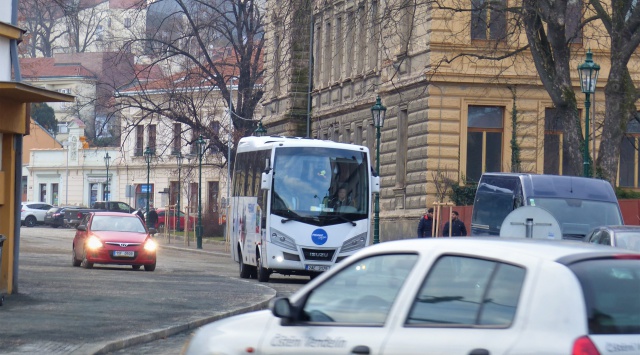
588, 72
107, 160
260, 131
378, 111
148, 153
179, 158
202, 146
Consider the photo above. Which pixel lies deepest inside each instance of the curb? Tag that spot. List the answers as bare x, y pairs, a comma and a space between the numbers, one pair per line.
173, 330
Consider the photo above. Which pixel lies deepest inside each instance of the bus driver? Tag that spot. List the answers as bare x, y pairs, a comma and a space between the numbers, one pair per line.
342, 199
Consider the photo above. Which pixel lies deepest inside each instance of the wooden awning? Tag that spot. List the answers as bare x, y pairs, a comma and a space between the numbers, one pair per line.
24, 93
10, 31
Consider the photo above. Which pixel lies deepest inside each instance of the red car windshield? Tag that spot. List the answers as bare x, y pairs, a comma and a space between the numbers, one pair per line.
117, 224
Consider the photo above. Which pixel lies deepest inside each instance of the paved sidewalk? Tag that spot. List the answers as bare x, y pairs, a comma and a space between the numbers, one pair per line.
66, 310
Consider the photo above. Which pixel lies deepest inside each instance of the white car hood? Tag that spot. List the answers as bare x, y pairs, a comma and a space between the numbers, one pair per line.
231, 335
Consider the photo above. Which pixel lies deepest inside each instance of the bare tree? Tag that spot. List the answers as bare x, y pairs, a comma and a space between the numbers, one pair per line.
551, 27
39, 18
85, 23
622, 22
215, 48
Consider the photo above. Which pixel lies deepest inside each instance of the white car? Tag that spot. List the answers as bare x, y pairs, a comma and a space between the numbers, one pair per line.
451, 296
32, 213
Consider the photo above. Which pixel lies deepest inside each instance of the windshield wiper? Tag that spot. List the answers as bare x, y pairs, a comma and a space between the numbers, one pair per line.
290, 215
345, 219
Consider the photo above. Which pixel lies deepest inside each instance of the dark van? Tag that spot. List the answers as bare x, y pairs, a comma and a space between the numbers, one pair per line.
579, 204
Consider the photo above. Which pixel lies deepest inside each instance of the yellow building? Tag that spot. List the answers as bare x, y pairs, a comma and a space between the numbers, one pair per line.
14, 102
450, 114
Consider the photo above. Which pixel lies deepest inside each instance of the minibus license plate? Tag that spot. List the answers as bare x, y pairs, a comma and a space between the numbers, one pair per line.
317, 267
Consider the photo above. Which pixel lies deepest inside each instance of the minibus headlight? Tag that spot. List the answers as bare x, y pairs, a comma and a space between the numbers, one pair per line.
280, 239
355, 243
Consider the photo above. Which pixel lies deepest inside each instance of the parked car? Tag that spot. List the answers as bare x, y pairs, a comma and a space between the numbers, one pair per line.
54, 217
627, 237
32, 213
450, 296
169, 218
113, 238
73, 216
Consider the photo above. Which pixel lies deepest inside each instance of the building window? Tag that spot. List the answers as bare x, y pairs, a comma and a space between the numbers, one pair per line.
488, 19
177, 138
212, 198
139, 140
401, 148
362, 39
327, 60
555, 147
337, 66
127, 22
573, 29
318, 57
629, 168
152, 137
194, 137
484, 140
276, 65
351, 39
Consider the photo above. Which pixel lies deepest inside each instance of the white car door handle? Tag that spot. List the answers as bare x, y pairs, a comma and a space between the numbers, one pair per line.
479, 352
361, 349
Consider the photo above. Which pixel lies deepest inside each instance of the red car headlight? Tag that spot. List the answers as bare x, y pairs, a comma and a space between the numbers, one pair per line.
150, 245
94, 242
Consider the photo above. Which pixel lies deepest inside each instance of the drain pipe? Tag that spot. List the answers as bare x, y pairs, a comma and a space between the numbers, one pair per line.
17, 145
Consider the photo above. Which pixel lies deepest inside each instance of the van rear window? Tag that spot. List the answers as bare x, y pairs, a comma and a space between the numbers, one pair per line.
611, 289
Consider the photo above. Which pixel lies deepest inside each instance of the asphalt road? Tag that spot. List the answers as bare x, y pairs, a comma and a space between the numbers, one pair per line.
58, 307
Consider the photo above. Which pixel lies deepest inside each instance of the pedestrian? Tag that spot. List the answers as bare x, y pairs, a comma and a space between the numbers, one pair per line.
425, 227
457, 226
152, 218
140, 214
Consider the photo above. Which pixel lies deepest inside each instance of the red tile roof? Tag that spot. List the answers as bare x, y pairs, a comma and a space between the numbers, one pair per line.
47, 68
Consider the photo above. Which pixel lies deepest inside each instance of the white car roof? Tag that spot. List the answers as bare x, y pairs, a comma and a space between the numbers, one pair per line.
507, 249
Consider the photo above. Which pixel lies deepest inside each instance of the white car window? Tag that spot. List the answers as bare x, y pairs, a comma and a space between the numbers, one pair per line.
462, 291
362, 293
611, 289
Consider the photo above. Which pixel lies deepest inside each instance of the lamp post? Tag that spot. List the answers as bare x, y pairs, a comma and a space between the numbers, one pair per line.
148, 153
378, 111
66, 144
202, 146
107, 160
588, 72
260, 131
179, 158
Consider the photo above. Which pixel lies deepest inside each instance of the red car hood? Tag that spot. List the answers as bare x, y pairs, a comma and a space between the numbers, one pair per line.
120, 237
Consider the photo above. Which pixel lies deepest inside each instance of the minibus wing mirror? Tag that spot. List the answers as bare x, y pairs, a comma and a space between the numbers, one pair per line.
375, 184
265, 182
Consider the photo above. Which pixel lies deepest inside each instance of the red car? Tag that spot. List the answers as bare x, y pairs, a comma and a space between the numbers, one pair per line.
169, 218
113, 238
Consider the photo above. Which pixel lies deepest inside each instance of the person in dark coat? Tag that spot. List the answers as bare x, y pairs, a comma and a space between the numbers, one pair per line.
425, 227
140, 214
457, 226
152, 218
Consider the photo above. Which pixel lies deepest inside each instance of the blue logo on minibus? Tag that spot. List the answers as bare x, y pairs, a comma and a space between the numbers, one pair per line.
319, 236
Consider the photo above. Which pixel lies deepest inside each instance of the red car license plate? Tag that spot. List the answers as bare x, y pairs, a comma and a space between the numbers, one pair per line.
123, 253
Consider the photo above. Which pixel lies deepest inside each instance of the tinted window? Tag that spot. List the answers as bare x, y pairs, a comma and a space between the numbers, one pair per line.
361, 293
611, 290
467, 292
